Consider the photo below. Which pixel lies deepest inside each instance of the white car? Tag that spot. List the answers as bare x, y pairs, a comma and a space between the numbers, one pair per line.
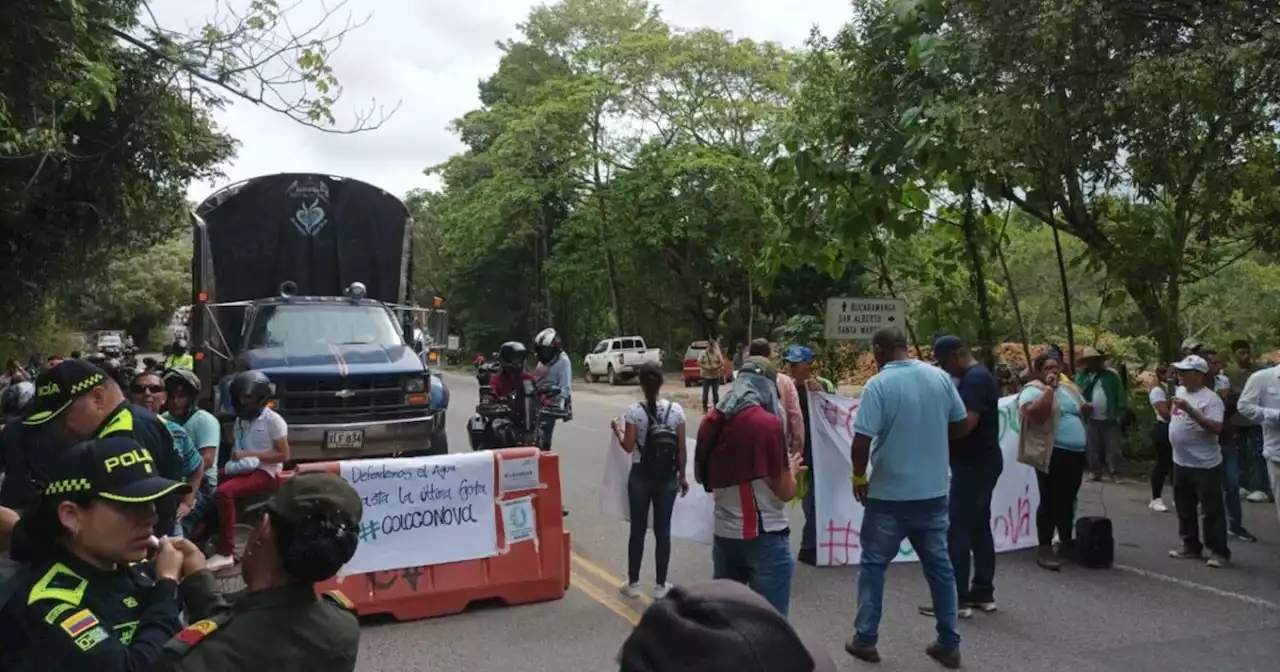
616, 359
110, 342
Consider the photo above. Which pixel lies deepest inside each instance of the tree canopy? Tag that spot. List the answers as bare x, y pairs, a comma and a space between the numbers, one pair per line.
623, 175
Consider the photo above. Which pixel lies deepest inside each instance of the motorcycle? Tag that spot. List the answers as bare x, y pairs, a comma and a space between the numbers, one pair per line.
513, 420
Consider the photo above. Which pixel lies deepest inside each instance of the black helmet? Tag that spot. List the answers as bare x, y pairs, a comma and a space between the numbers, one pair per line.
254, 384
176, 379
513, 354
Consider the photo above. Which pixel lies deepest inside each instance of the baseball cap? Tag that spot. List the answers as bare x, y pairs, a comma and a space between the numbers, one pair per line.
718, 626
298, 496
798, 353
945, 346
59, 387
117, 468
1192, 363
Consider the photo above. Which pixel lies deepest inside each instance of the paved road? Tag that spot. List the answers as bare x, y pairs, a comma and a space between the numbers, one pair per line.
1150, 613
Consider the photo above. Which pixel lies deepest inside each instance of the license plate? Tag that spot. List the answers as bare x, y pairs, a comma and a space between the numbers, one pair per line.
345, 440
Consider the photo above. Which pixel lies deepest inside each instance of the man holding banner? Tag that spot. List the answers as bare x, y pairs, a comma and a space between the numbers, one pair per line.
909, 411
976, 464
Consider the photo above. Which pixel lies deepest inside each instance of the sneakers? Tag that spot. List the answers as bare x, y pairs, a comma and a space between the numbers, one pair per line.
1047, 560
1158, 506
1242, 534
964, 610
1184, 553
219, 561
1258, 496
1217, 561
631, 590
1117, 478
1091, 478
948, 659
660, 591
984, 607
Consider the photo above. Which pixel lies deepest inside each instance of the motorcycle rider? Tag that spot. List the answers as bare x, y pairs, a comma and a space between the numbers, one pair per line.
556, 371
512, 356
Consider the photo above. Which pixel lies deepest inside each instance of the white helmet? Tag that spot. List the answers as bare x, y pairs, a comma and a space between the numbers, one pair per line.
546, 338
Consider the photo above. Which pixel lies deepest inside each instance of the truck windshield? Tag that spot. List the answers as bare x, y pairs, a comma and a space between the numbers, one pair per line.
311, 324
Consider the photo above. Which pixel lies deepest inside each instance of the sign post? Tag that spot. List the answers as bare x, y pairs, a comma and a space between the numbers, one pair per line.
857, 319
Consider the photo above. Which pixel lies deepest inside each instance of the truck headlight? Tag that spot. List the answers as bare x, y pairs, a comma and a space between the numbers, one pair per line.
415, 385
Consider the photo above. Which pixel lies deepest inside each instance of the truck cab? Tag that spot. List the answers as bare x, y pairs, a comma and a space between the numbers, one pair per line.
345, 380
306, 278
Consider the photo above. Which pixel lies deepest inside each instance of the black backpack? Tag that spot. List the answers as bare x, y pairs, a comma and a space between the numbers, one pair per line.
660, 454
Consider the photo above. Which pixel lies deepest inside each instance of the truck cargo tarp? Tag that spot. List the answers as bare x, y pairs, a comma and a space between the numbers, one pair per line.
321, 232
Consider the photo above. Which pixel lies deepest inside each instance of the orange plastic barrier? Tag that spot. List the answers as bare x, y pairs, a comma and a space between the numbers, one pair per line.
523, 573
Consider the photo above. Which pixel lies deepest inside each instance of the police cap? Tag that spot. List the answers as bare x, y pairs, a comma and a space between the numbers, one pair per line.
116, 468
59, 387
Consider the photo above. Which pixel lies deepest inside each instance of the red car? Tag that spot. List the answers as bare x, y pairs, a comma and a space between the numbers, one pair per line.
693, 372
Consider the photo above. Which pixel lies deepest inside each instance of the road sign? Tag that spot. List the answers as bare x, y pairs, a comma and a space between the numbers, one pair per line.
856, 319
454, 342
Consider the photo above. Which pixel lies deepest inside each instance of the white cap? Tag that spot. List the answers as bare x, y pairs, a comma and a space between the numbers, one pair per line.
1192, 363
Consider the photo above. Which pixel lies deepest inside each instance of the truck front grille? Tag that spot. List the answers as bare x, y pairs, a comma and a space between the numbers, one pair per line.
345, 399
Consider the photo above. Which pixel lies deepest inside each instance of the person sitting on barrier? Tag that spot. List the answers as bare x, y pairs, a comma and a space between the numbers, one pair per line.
718, 626
310, 530
260, 448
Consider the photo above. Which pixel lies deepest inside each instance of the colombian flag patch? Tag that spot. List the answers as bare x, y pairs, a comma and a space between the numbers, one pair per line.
79, 622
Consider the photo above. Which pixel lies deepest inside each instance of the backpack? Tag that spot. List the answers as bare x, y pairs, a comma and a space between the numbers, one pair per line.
660, 454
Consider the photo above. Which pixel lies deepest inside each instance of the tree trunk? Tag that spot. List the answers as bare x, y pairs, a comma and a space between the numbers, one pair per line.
1066, 301
1013, 292
973, 244
602, 208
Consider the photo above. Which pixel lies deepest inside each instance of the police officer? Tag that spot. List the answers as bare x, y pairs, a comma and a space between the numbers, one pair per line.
309, 531
85, 403
81, 603
178, 357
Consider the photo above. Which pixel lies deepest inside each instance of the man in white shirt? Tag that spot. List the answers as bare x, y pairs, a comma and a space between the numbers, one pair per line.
1194, 426
1260, 402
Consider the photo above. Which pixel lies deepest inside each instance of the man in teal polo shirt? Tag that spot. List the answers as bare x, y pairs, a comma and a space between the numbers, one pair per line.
907, 415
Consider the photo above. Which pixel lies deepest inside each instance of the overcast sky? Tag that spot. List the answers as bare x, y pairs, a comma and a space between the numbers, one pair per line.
428, 55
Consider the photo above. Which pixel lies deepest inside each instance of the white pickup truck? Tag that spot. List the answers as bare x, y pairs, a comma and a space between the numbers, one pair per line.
616, 359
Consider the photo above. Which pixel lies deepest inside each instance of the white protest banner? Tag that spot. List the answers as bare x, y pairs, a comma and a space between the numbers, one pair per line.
518, 474
839, 515
518, 520
694, 516
423, 510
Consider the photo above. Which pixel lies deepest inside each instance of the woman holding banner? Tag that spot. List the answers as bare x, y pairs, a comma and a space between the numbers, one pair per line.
657, 474
1047, 401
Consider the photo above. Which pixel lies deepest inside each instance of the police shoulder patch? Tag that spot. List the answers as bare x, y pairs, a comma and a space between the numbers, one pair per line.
337, 597
79, 623
195, 633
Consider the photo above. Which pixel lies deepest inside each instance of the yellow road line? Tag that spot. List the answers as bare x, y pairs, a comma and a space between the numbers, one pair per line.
592, 591
605, 575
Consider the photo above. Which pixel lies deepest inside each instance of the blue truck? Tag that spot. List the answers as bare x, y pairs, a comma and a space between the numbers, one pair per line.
307, 278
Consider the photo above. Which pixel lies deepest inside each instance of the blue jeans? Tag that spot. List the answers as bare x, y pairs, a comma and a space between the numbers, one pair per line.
764, 564
642, 493
1253, 466
548, 428
884, 525
712, 385
199, 511
1231, 485
970, 531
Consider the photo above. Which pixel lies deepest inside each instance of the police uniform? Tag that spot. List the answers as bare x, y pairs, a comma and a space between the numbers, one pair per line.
67, 615
284, 628
59, 387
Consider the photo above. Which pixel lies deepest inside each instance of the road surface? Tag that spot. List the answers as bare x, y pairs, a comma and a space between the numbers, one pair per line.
1150, 613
